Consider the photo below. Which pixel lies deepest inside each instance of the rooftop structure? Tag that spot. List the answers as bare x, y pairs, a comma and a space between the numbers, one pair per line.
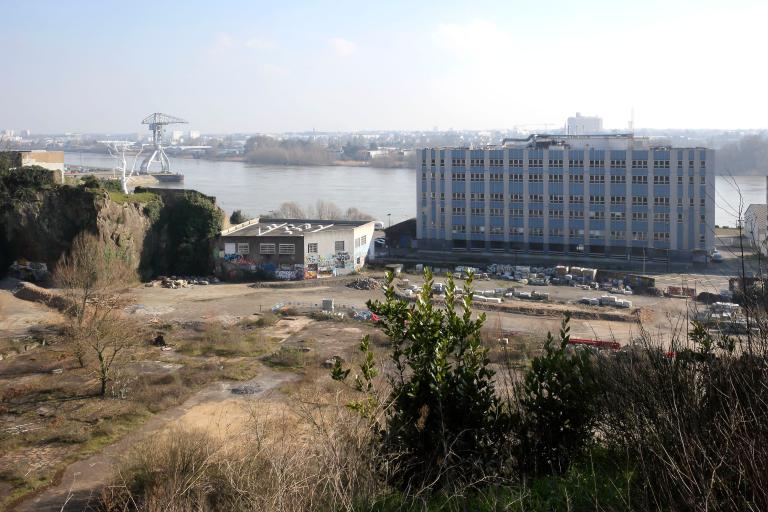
293, 248
290, 227
600, 195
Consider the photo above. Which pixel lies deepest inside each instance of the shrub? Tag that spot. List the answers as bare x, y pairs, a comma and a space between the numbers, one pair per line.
444, 426
556, 407
238, 217
693, 424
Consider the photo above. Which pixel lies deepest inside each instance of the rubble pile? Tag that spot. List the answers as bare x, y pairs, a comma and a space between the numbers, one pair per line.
365, 283
180, 282
29, 271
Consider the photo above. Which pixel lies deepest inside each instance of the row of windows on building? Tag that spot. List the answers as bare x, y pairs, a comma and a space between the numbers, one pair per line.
559, 163
573, 214
573, 199
593, 234
573, 178
267, 248
312, 247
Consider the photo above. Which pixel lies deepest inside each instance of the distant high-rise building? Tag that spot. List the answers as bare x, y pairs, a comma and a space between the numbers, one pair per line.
609, 195
26, 133
194, 134
584, 125
176, 136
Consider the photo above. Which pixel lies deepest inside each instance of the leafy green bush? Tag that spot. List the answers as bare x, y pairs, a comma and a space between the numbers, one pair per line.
443, 424
21, 184
238, 217
556, 407
192, 223
90, 182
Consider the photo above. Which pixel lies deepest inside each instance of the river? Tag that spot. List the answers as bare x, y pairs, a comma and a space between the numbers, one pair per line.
257, 189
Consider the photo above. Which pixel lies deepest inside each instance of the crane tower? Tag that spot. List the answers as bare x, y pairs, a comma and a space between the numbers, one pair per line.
157, 123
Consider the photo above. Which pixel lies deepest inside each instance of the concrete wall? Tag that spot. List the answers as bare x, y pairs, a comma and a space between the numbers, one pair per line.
233, 263
53, 160
329, 261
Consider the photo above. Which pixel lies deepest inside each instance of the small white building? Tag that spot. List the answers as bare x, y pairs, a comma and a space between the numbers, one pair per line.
755, 223
293, 249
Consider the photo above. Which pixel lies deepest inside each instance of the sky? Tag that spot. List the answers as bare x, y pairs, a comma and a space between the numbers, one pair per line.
271, 66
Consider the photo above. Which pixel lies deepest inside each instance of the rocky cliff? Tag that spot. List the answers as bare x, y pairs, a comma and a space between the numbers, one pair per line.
158, 231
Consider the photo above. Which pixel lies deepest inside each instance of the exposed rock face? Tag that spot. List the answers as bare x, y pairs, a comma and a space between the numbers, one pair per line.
41, 227
126, 227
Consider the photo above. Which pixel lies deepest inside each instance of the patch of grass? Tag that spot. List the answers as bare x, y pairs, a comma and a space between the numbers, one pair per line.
239, 370
263, 320
286, 358
215, 340
139, 197
593, 484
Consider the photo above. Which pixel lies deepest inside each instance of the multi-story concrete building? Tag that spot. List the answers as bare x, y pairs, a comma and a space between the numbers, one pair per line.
583, 125
609, 195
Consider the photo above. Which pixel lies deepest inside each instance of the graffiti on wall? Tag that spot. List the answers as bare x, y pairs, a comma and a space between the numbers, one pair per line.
238, 259
310, 271
238, 265
343, 260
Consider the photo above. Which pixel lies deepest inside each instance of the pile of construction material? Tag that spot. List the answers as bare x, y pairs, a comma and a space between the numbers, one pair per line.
178, 282
610, 300
365, 283
29, 271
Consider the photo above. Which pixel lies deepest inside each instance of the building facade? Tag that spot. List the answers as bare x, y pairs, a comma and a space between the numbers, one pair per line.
293, 249
755, 223
613, 196
583, 125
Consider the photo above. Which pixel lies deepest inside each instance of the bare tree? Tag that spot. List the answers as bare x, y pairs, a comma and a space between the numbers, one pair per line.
92, 277
322, 210
290, 210
327, 210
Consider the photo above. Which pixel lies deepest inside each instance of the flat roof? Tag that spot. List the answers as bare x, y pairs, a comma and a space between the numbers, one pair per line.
559, 141
291, 227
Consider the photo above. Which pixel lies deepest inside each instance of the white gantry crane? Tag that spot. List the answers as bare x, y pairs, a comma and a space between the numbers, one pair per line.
157, 123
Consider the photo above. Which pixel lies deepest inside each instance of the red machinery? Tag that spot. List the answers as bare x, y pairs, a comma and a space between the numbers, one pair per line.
601, 344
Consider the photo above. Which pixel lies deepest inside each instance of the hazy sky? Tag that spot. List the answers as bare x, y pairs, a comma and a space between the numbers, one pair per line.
267, 66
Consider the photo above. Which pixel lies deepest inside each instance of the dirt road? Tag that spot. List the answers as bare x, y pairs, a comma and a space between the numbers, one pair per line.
215, 408
18, 316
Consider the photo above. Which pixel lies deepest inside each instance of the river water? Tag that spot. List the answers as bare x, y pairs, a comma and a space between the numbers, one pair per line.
257, 189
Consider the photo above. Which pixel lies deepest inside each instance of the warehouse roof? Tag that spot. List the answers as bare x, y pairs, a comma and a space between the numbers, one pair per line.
290, 227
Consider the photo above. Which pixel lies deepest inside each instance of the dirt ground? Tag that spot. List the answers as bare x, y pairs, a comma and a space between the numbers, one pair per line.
17, 317
231, 360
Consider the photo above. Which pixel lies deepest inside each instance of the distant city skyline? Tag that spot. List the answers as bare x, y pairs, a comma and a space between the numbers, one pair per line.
258, 67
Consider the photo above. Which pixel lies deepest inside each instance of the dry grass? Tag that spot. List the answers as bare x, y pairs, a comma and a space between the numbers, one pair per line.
309, 454
215, 339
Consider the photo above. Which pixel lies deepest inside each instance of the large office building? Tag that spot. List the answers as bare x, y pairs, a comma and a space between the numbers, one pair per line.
607, 195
